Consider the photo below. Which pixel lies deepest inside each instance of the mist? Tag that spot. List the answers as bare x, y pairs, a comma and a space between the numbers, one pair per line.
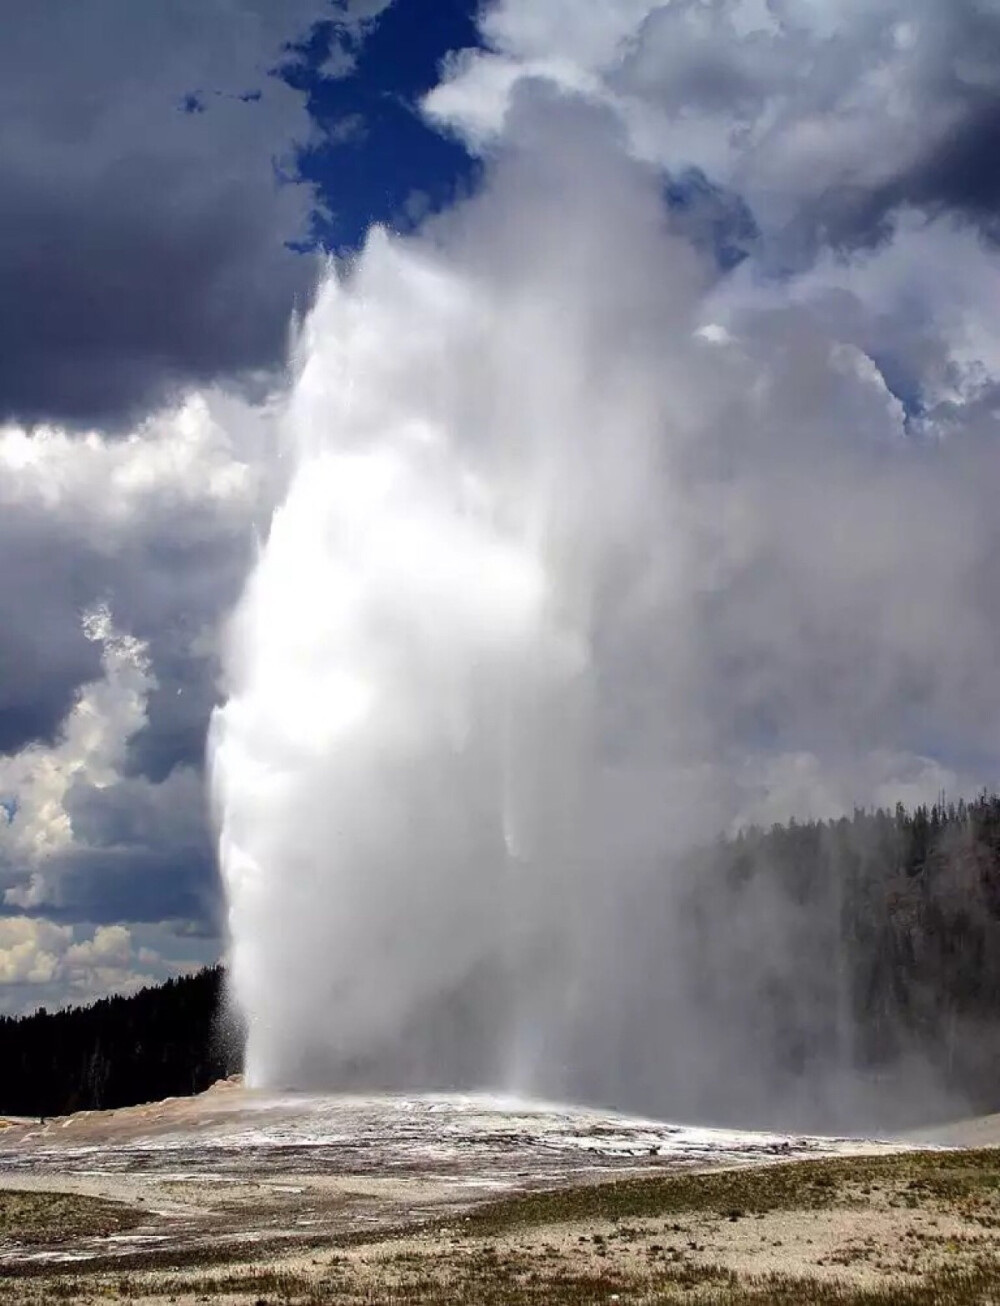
597, 542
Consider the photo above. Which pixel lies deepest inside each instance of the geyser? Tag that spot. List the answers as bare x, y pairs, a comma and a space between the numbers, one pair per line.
404, 769
585, 553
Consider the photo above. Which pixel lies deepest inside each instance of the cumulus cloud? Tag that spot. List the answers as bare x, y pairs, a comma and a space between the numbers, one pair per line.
922, 303
41, 961
101, 781
81, 842
37, 952
36, 782
161, 520
824, 116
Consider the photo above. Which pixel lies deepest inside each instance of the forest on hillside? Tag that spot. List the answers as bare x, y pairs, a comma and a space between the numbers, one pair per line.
869, 944
165, 1041
808, 958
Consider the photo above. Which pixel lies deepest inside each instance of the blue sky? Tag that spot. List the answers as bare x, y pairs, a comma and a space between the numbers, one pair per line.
391, 165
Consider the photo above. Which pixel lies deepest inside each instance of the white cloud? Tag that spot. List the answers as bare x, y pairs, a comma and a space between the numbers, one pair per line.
89, 752
30, 950
804, 107
924, 300
175, 459
39, 959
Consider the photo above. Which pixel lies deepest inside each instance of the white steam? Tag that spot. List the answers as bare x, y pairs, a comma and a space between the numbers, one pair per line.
584, 555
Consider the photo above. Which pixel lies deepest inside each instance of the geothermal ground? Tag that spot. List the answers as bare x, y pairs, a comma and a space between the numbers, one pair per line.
237, 1163
247, 1197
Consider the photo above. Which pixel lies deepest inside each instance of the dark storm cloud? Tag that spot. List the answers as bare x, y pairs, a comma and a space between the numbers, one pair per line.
958, 176
143, 251
112, 307
947, 82
142, 245
44, 656
171, 596
962, 173
142, 885
144, 854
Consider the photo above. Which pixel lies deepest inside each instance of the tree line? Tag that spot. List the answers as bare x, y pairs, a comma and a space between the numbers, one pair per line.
869, 944
167, 1040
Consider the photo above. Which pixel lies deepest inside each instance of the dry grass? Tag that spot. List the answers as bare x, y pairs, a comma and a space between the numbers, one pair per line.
39, 1219
666, 1239
968, 1182
491, 1280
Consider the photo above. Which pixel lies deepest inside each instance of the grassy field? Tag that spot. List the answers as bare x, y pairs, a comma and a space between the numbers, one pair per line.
51, 1220
964, 1181
915, 1229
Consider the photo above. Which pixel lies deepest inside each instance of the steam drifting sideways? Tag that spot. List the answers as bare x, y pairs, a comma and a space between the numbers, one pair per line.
597, 539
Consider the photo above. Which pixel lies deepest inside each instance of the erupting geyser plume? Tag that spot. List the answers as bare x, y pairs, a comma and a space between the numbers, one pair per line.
589, 548
402, 772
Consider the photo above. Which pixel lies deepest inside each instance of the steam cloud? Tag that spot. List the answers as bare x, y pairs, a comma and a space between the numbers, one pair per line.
591, 548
